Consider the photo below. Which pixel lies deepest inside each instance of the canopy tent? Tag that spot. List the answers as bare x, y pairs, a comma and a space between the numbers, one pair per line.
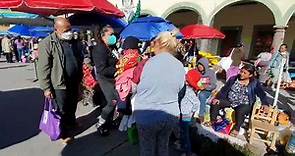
33, 31
58, 7
20, 30
201, 32
2, 33
41, 29
87, 19
147, 28
14, 17
5, 13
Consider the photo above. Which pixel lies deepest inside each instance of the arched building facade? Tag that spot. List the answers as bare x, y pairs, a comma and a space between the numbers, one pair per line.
259, 24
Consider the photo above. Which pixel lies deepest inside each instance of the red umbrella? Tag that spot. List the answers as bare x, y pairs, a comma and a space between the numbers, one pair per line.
58, 7
201, 32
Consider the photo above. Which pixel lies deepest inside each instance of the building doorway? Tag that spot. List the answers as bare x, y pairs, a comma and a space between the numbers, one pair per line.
262, 39
232, 37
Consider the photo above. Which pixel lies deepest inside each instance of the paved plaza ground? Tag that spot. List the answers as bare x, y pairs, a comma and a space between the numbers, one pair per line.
20, 109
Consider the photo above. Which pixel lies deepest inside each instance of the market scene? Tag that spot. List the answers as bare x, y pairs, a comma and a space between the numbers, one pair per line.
147, 78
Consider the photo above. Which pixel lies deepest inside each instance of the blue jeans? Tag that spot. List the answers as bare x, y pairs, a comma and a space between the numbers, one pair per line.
154, 135
203, 96
185, 136
20, 53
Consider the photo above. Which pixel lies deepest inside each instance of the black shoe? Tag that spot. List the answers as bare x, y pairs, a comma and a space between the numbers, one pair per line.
103, 131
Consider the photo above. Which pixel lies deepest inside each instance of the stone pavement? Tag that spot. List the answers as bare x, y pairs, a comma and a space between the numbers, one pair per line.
20, 109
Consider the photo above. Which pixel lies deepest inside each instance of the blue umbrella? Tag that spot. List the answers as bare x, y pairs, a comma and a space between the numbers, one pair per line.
40, 34
21, 30
41, 29
86, 19
147, 28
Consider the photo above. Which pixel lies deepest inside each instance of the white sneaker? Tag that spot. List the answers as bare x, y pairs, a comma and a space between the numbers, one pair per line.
100, 122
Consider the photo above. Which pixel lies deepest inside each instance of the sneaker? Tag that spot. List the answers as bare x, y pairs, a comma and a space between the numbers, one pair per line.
103, 131
100, 122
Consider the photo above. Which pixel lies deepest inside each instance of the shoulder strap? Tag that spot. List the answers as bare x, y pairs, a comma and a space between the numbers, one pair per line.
181, 94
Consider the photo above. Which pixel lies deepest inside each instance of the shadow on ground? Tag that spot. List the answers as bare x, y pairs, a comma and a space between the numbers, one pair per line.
284, 103
20, 115
117, 145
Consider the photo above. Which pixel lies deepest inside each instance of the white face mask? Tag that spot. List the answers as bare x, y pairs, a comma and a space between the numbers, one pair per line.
67, 35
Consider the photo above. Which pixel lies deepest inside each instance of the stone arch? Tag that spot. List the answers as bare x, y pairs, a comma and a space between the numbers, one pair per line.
186, 6
289, 14
269, 4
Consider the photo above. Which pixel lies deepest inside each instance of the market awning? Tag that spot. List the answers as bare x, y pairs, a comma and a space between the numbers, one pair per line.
13, 17
87, 19
58, 7
6, 13
201, 32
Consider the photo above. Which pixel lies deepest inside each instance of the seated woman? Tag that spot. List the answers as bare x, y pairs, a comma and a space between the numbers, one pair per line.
239, 93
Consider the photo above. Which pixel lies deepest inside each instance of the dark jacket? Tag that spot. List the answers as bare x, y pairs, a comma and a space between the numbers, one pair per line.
254, 88
51, 63
209, 73
105, 62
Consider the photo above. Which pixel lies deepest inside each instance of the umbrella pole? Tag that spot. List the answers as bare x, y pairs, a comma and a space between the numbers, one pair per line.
279, 82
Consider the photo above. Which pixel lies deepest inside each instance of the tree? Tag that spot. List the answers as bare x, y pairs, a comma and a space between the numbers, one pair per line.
137, 12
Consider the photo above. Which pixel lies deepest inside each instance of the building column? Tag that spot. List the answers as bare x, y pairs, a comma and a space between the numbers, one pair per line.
206, 44
278, 38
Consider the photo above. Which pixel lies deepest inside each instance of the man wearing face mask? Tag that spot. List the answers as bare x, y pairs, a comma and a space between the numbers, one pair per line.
105, 64
60, 73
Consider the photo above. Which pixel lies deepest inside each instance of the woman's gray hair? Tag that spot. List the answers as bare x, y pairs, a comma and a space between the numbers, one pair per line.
168, 40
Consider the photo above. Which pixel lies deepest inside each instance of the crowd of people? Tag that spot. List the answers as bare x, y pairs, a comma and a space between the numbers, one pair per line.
19, 49
149, 86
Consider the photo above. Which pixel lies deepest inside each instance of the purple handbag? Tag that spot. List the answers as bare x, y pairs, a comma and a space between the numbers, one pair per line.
50, 120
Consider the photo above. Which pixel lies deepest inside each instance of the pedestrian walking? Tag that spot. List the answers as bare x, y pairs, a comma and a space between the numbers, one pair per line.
7, 48
60, 73
19, 47
105, 65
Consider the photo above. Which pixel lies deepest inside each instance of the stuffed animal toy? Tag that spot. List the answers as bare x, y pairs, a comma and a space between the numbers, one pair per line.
283, 119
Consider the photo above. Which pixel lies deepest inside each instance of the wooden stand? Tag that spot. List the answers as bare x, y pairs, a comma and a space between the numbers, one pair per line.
264, 123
